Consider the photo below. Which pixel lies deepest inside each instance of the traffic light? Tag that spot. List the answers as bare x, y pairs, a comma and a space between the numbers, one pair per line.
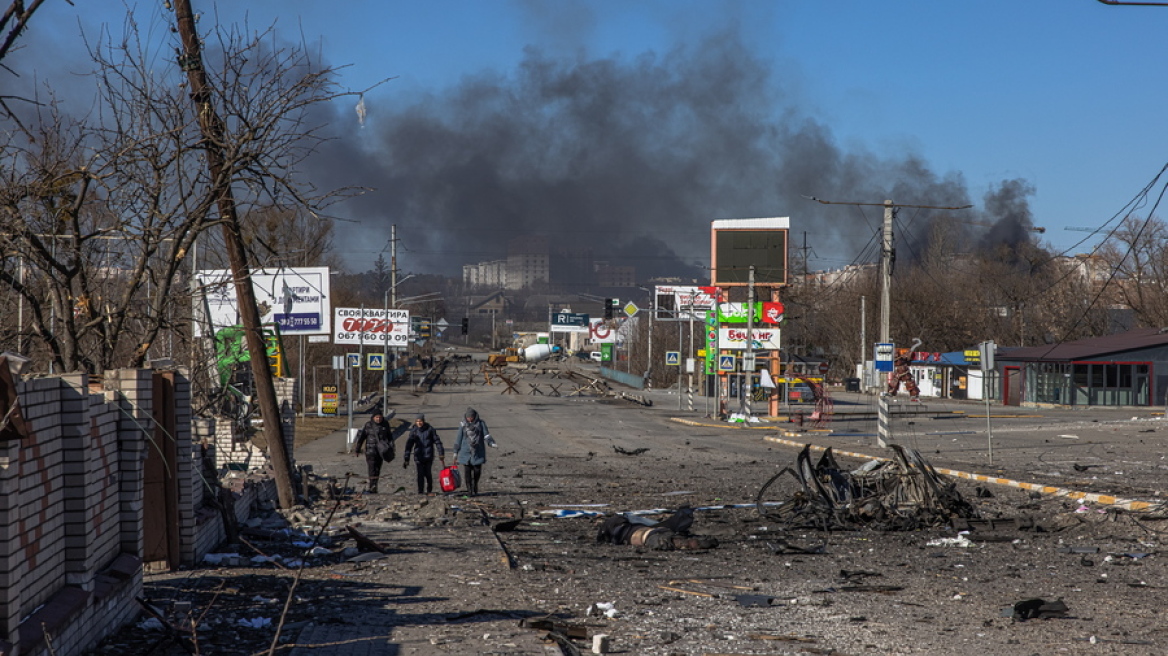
465, 325
608, 309
421, 327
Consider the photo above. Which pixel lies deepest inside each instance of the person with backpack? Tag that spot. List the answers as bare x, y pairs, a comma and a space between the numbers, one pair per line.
423, 444
377, 438
471, 448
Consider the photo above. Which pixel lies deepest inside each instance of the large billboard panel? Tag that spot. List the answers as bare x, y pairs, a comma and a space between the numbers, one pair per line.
682, 302
371, 327
296, 299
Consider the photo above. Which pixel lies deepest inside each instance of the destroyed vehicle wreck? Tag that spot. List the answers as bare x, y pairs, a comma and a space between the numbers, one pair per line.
901, 494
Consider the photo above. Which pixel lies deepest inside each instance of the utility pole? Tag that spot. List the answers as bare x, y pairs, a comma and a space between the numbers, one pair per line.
392, 291
748, 361
887, 260
888, 254
213, 129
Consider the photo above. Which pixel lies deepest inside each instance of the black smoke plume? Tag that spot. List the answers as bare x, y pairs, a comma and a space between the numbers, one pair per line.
626, 160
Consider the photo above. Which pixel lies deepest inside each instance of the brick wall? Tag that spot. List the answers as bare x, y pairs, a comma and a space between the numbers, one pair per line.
71, 502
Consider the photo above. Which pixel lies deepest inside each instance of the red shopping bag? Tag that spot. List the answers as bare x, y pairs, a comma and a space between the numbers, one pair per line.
449, 479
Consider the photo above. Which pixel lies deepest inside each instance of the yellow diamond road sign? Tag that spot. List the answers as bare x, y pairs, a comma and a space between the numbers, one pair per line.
631, 309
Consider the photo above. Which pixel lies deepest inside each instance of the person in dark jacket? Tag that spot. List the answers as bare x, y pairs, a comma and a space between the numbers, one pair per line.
470, 448
377, 439
423, 445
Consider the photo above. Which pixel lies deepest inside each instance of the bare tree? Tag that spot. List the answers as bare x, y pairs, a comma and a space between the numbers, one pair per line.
98, 216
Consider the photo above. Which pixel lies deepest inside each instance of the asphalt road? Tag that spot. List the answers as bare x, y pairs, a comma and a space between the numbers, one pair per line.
445, 590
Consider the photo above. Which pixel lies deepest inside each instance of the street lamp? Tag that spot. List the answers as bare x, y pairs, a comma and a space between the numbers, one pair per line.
385, 347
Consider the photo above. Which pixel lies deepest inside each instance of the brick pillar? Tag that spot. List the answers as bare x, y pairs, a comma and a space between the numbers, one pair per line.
81, 481
134, 389
9, 555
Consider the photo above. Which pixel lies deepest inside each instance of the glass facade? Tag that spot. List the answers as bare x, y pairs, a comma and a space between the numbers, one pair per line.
1089, 383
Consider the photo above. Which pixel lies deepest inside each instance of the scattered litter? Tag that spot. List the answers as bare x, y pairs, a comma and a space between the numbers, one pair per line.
320, 551
1069, 437
571, 513
960, 541
1082, 509
256, 623
605, 608
578, 505
1078, 550
218, 558
151, 624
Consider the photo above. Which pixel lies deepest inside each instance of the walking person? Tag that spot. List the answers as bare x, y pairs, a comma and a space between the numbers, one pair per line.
470, 448
377, 438
423, 445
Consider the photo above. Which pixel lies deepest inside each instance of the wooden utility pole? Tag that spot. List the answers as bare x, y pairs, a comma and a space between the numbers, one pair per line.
213, 129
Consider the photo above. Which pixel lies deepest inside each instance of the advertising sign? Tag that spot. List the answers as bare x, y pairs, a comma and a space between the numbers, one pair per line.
764, 312
765, 339
372, 326
600, 332
570, 322
296, 299
681, 303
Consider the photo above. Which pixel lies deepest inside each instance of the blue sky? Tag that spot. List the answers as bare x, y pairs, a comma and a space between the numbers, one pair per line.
1066, 95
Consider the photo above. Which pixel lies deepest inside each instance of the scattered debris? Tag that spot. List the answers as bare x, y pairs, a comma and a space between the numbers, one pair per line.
672, 533
626, 452
1037, 609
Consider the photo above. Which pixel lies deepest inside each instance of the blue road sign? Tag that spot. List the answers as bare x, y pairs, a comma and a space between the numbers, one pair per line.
884, 352
376, 362
354, 359
673, 358
726, 363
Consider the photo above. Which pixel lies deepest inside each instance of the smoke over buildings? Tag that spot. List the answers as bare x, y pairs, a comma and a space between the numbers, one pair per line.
626, 158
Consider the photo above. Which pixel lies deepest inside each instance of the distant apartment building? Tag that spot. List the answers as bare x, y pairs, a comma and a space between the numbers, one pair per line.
528, 262
608, 275
851, 273
1091, 268
487, 275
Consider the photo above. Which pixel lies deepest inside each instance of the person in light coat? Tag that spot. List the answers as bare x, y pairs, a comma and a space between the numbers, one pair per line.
470, 448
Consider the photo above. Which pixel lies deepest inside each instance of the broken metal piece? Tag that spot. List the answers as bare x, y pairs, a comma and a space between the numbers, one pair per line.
364, 543
627, 452
575, 631
1030, 609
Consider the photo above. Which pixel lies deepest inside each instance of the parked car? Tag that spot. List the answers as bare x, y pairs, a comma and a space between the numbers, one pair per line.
596, 356
800, 393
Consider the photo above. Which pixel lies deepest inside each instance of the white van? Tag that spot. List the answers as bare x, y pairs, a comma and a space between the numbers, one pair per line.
596, 356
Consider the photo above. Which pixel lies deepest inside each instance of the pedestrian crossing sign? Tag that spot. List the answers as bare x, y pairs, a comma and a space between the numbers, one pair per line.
726, 363
354, 359
672, 358
376, 362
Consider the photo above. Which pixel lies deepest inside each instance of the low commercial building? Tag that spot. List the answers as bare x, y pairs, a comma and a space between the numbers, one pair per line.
1125, 369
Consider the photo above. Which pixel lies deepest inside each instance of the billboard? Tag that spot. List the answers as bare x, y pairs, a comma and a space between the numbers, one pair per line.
681, 303
738, 244
295, 299
371, 327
